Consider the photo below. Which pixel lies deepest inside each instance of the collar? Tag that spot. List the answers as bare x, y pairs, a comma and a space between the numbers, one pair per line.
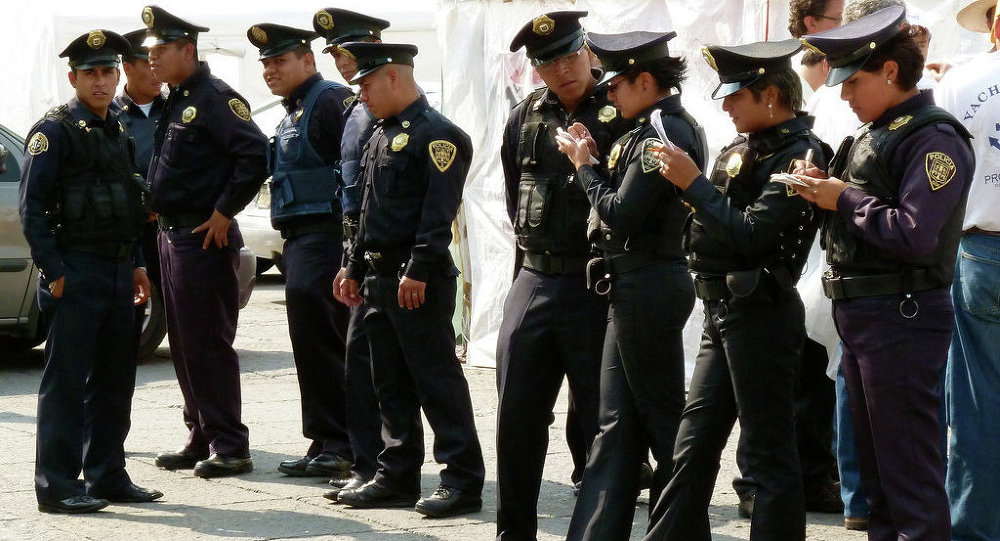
82, 114
924, 98
412, 111
668, 106
550, 99
202, 72
772, 138
126, 99
294, 100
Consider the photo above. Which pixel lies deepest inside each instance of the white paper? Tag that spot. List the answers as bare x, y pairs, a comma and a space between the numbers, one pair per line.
567, 138
657, 122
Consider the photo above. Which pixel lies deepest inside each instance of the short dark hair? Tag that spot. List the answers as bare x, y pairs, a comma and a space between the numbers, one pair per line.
181, 42
811, 58
788, 85
668, 72
902, 49
302, 50
798, 10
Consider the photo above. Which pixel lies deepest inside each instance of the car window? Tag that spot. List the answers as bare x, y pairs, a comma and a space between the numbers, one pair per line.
13, 172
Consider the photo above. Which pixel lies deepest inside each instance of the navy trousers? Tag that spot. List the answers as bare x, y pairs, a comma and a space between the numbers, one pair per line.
85, 396
201, 297
364, 424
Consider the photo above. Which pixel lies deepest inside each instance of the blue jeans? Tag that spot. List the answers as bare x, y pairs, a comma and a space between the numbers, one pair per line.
973, 391
855, 502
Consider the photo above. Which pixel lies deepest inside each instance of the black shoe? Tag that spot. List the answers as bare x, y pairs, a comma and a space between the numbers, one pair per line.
856, 523
340, 482
131, 494
182, 459
329, 465
295, 468
745, 507
375, 496
352, 484
74, 505
449, 502
825, 499
222, 466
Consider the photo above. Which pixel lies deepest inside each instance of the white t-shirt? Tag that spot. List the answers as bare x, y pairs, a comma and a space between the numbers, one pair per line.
146, 108
971, 92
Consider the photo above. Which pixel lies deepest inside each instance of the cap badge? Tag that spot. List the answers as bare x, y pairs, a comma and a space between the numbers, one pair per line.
442, 153
324, 19
188, 114
259, 34
940, 169
543, 25
147, 16
709, 58
96, 39
240, 109
38, 144
399, 141
811, 47
899, 122
734, 164
607, 113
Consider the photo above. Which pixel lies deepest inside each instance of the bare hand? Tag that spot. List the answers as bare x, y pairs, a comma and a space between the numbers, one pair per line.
824, 192
142, 286
411, 293
350, 293
56, 288
578, 151
217, 226
338, 282
938, 69
581, 132
677, 167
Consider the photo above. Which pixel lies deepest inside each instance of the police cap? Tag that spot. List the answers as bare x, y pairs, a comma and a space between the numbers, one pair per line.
95, 48
135, 39
848, 47
164, 27
621, 52
341, 26
739, 66
275, 39
550, 36
372, 56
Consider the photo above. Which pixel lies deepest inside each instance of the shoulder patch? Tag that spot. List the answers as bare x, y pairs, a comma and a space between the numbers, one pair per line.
38, 144
650, 156
240, 109
940, 169
349, 100
442, 154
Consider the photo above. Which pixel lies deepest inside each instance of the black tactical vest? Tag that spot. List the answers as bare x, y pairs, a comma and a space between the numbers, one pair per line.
551, 211
101, 199
868, 162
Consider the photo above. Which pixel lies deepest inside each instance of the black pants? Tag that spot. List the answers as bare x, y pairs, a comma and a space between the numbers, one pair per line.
201, 297
747, 368
553, 327
414, 366
317, 326
85, 396
364, 424
642, 395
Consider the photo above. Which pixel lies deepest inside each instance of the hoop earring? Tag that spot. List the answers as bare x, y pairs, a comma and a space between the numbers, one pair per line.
770, 110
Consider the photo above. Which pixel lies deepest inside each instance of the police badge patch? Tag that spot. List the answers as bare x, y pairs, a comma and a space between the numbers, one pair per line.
147, 16
349, 100
399, 141
442, 154
188, 114
607, 113
38, 144
940, 169
240, 109
96, 39
616, 152
650, 156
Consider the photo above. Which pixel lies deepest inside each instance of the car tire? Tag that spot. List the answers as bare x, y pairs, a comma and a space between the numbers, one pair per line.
155, 326
263, 265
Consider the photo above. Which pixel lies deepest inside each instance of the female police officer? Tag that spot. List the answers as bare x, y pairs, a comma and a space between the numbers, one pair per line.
636, 222
748, 242
891, 242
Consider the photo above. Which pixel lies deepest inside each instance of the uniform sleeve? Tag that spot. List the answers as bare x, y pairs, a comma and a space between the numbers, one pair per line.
448, 157
937, 168
242, 139
47, 148
752, 231
508, 159
326, 129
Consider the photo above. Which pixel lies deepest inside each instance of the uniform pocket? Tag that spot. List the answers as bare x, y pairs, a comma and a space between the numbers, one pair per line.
980, 284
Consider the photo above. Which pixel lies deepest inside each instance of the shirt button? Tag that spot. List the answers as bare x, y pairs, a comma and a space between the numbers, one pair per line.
607, 237
187, 93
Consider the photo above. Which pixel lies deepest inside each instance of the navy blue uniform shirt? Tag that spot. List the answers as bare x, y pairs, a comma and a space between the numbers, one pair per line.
139, 126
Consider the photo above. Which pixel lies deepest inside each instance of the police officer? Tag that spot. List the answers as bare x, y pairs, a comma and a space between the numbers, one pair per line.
364, 424
748, 241
305, 180
82, 210
897, 199
552, 325
414, 168
636, 224
208, 163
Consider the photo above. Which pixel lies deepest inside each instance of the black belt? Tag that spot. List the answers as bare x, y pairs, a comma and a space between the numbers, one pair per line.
619, 264
838, 287
297, 230
555, 264
114, 250
387, 262
180, 220
711, 289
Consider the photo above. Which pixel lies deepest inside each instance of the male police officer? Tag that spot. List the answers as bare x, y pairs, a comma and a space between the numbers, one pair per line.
414, 169
364, 424
208, 163
305, 154
553, 326
82, 210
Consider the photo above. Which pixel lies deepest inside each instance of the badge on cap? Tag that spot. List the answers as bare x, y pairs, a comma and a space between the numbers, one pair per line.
734, 164
709, 58
543, 25
442, 153
188, 114
96, 39
259, 34
616, 152
324, 19
38, 144
940, 169
811, 47
147, 16
399, 142
607, 113
650, 155
240, 109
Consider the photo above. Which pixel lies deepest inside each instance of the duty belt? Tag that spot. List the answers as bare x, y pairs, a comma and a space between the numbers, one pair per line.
180, 220
710, 288
839, 287
555, 264
297, 230
386, 262
629, 261
114, 250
